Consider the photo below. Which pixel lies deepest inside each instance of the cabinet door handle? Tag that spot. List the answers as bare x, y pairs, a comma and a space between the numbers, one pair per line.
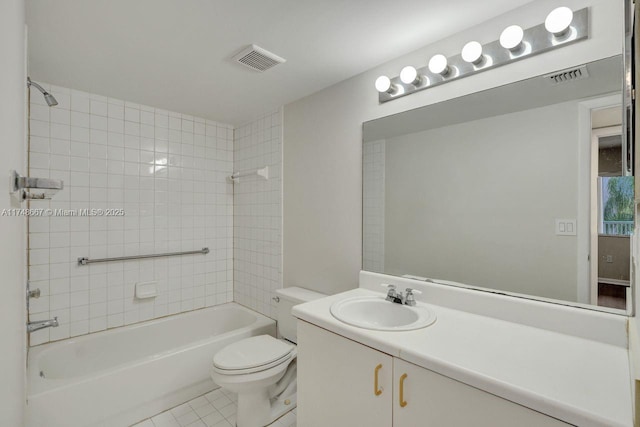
403, 403
377, 391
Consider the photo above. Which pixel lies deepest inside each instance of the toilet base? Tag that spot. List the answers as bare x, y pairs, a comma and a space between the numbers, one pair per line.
254, 409
281, 406
257, 410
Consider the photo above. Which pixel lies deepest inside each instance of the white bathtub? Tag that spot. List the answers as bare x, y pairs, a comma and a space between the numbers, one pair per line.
118, 377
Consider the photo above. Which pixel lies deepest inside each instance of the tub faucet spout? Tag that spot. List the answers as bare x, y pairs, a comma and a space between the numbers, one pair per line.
35, 326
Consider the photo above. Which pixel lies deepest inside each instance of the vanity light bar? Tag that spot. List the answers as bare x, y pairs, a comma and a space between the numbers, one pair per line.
561, 28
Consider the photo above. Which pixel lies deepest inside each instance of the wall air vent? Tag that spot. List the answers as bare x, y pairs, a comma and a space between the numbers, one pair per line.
257, 58
568, 75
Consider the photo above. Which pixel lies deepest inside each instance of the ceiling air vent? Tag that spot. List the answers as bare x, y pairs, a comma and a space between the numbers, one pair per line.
568, 75
257, 58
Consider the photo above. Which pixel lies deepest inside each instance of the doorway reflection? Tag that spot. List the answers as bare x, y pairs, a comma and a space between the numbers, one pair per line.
614, 209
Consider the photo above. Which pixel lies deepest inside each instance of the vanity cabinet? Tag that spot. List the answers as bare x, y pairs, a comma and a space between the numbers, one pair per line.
342, 383
337, 381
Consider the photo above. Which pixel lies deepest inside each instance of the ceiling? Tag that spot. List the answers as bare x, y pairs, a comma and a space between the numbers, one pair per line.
176, 54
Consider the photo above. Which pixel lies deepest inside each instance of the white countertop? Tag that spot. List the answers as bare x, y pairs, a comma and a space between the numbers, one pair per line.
577, 380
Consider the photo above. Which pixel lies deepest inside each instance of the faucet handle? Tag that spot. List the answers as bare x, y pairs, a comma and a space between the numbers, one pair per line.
410, 299
391, 292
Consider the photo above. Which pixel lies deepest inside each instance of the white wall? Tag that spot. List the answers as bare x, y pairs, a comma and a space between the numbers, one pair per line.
167, 171
257, 214
12, 229
323, 139
476, 202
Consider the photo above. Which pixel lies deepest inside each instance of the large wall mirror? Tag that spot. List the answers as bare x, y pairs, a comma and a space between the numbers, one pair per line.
523, 189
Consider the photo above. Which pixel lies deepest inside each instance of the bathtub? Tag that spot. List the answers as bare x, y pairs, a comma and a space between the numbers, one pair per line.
118, 377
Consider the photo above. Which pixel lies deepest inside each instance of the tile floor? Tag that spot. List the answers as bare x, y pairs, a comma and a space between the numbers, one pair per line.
214, 409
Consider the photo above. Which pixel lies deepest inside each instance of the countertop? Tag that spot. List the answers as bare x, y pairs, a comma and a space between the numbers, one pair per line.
576, 380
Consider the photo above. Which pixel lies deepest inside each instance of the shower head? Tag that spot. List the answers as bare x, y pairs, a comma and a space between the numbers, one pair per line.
51, 100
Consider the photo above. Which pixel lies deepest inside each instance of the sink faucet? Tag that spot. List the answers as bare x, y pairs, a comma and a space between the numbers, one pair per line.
397, 296
35, 326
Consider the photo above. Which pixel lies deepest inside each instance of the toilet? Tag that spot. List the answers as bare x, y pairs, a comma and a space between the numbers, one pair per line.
262, 369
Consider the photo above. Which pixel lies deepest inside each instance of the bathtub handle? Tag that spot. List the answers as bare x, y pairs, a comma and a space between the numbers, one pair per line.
276, 299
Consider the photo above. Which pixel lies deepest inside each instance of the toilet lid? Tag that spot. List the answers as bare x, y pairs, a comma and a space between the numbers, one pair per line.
251, 352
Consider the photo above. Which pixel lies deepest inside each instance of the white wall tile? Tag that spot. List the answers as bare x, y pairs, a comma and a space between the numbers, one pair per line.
98, 108
98, 136
131, 128
80, 119
115, 111
147, 118
80, 134
39, 112
39, 144
257, 231
60, 131
114, 154
60, 116
80, 101
98, 122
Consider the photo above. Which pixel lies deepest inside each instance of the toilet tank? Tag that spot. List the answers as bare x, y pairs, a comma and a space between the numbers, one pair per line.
288, 297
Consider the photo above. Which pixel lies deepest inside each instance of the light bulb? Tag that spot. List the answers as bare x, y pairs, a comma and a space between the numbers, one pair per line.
438, 64
383, 84
472, 52
409, 75
559, 21
511, 37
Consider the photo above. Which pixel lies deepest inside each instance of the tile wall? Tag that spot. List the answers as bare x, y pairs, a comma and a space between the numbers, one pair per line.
373, 165
257, 219
167, 171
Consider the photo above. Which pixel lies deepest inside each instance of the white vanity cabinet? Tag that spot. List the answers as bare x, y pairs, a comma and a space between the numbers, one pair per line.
337, 381
342, 383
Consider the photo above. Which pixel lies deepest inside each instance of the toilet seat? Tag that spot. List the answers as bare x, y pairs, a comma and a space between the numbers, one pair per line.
253, 354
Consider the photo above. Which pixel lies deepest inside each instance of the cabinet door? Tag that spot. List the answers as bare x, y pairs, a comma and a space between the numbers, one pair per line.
433, 400
337, 379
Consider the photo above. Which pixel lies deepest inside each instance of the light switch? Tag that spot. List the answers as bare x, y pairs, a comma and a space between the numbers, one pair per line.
566, 227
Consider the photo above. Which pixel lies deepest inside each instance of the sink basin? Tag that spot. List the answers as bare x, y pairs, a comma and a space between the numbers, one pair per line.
381, 315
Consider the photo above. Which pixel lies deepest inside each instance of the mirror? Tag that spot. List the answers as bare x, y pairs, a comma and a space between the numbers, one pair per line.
519, 189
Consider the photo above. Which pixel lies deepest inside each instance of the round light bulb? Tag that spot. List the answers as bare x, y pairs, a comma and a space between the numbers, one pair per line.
512, 37
383, 84
408, 75
438, 64
472, 52
559, 21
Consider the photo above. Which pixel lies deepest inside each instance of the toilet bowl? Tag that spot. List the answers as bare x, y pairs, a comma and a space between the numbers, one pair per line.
262, 369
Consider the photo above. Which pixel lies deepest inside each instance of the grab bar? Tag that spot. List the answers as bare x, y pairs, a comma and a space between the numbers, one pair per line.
85, 261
